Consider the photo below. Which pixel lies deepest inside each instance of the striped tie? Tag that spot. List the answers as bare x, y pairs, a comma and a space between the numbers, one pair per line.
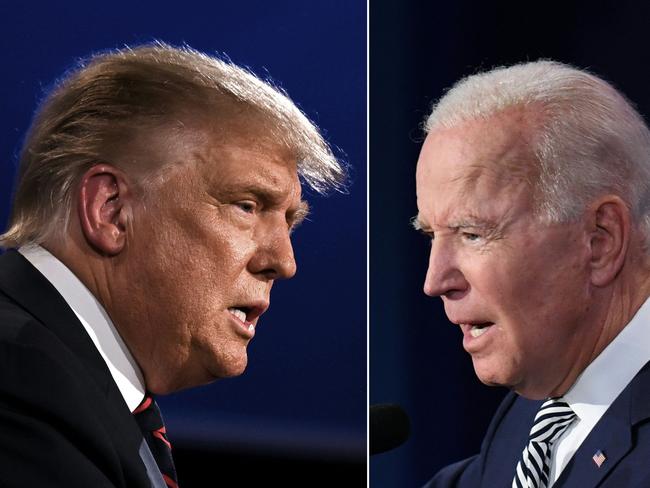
552, 419
148, 417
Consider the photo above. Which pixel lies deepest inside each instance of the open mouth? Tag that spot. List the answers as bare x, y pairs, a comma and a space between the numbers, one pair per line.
242, 314
478, 330
247, 315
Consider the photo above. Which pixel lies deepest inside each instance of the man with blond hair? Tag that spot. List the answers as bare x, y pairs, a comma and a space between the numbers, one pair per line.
156, 194
533, 184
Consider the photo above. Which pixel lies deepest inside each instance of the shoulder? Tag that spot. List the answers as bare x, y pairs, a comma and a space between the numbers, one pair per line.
55, 416
12, 318
42, 342
34, 363
31, 354
40, 377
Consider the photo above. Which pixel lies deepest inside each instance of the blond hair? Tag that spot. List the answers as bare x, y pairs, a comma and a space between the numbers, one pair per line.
114, 96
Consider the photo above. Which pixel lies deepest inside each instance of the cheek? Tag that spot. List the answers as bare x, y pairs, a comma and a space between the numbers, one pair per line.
191, 261
212, 249
538, 273
541, 302
222, 239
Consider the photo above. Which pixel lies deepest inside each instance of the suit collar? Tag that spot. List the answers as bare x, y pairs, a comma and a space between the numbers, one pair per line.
612, 435
640, 406
95, 320
28, 288
21, 282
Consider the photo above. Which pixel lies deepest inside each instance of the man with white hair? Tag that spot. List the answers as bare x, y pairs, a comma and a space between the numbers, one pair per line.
533, 184
157, 191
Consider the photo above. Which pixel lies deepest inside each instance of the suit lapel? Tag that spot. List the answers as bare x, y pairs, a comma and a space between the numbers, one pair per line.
612, 435
506, 438
32, 291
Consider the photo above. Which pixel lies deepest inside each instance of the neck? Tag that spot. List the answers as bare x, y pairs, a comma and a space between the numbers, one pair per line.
86, 264
613, 308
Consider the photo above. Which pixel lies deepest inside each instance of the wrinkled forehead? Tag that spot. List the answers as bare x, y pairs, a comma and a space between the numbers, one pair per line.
497, 149
247, 158
198, 158
168, 140
489, 162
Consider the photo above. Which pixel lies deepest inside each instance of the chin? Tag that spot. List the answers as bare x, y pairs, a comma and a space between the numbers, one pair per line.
491, 376
233, 370
228, 365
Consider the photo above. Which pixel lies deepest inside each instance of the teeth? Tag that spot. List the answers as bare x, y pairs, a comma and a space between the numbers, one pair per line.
240, 314
477, 331
251, 327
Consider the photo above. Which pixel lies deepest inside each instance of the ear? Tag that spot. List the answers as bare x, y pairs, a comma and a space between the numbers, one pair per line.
103, 203
610, 237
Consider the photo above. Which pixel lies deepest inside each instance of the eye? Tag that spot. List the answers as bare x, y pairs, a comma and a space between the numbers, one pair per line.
470, 236
247, 206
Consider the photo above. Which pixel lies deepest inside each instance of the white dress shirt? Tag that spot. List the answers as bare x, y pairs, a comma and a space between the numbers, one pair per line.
600, 383
93, 317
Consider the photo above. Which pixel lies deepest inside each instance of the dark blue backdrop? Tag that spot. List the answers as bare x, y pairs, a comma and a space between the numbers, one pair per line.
418, 49
304, 391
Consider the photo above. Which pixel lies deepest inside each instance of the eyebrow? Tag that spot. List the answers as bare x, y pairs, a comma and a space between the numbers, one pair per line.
299, 215
475, 223
417, 224
471, 221
270, 195
266, 191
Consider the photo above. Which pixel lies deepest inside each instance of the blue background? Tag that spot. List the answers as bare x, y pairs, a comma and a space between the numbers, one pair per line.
417, 50
304, 392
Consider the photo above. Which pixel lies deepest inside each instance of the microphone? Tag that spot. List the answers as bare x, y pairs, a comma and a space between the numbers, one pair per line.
389, 427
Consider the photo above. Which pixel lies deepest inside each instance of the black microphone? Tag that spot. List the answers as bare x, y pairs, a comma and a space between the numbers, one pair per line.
389, 427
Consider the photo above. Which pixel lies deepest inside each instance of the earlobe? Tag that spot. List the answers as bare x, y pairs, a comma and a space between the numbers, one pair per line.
102, 202
610, 239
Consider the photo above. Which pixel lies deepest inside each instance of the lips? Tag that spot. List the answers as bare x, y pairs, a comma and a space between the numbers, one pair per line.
473, 330
477, 330
248, 314
239, 313
469, 323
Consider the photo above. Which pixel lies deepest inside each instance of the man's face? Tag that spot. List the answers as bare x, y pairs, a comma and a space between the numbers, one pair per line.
518, 288
205, 249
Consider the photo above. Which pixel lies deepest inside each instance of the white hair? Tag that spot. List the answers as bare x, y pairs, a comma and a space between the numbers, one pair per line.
588, 138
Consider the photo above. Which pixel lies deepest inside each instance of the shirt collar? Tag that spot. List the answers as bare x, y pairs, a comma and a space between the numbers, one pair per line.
608, 375
92, 315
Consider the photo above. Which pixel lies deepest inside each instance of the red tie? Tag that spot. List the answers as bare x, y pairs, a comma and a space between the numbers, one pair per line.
153, 430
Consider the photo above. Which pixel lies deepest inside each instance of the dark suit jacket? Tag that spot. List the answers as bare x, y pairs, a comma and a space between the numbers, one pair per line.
623, 434
63, 421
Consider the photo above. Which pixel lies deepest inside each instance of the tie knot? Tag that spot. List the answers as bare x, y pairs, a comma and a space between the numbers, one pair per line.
552, 419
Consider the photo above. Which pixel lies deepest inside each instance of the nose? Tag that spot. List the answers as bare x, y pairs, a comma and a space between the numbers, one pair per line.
444, 277
274, 256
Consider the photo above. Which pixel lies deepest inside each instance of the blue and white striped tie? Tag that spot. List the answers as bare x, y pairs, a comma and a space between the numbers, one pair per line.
552, 419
